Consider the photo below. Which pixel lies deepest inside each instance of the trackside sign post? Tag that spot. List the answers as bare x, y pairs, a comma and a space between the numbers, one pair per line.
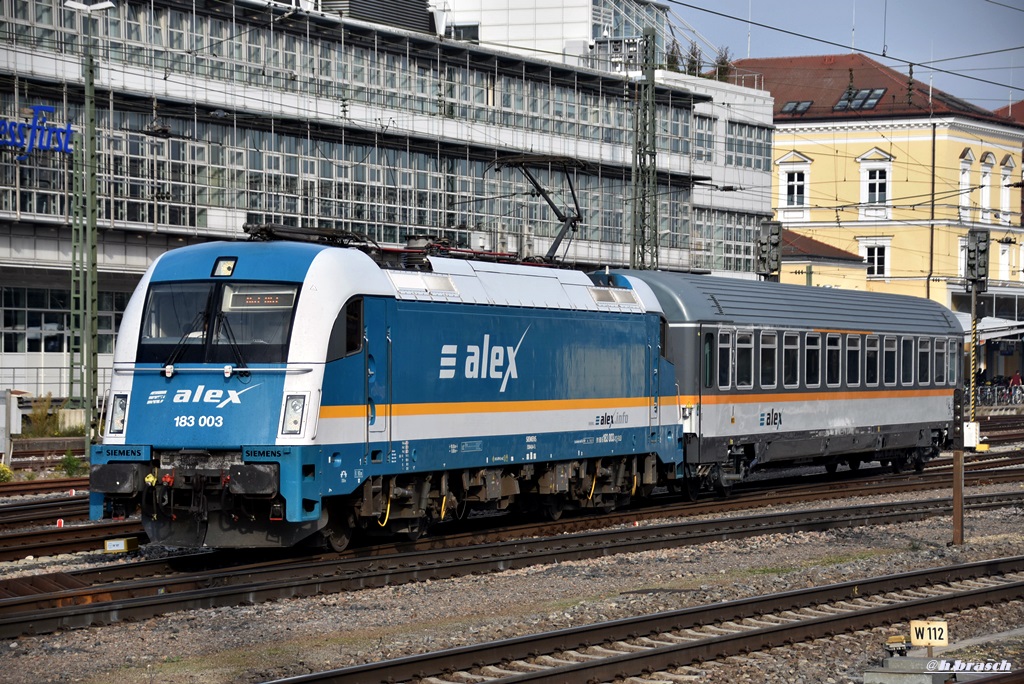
929, 633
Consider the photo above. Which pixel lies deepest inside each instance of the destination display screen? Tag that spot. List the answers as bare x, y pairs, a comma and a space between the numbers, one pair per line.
245, 298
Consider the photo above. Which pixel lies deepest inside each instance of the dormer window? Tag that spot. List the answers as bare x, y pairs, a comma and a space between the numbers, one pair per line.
796, 106
859, 99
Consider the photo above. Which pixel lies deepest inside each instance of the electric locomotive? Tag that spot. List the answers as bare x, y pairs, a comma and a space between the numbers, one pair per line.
266, 393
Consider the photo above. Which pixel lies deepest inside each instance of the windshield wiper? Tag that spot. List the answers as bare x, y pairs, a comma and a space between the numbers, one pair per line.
180, 346
223, 324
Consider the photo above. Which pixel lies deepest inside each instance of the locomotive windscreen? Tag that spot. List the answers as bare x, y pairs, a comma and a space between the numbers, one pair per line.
201, 322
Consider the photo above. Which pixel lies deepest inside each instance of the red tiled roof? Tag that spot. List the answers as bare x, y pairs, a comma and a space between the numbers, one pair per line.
823, 81
1013, 111
795, 246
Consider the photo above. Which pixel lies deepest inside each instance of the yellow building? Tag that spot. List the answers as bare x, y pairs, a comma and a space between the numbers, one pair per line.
871, 161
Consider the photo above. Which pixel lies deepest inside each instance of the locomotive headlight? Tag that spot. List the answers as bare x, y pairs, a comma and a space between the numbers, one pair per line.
294, 407
118, 413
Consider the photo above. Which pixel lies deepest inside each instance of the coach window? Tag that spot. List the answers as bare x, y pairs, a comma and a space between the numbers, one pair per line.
907, 360
889, 361
853, 360
953, 358
833, 359
940, 362
813, 370
744, 360
871, 361
791, 359
769, 356
924, 361
724, 360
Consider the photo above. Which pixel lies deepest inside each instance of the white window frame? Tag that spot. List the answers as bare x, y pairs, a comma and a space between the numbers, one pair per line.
874, 161
796, 180
966, 160
1005, 178
885, 243
793, 162
985, 199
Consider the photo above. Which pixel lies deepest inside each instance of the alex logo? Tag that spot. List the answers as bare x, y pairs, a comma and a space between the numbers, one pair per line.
482, 361
200, 395
771, 418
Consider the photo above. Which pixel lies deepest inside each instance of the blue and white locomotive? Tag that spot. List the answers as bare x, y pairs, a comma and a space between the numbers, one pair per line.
267, 393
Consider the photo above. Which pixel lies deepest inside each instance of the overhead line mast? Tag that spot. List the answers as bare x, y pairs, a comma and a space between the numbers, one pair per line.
644, 254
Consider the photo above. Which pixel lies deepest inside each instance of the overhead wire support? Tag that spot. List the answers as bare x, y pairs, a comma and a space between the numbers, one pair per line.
644, 253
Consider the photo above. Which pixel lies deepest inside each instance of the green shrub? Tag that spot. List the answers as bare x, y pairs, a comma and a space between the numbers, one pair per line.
6, 474
72, 465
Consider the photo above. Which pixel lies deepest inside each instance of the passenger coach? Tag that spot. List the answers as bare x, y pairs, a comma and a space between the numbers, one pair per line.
773, 374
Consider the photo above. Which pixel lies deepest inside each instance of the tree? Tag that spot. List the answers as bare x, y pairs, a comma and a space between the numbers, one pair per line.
674, 56
723, 64
694, 60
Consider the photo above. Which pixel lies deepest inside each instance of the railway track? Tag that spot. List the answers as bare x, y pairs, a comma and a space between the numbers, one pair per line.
47, 603
47, 486
46, 539
71, 539
644, 645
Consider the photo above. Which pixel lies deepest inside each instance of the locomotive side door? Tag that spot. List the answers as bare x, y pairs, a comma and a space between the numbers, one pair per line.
378, 389
654, 354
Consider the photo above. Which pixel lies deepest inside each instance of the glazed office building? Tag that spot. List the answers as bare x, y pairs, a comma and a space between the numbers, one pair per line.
213, 115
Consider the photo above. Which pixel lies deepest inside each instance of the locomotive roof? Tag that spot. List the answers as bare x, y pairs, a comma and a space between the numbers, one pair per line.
688, 297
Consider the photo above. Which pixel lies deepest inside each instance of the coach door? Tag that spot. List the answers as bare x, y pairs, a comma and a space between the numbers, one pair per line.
653, 393
378, 380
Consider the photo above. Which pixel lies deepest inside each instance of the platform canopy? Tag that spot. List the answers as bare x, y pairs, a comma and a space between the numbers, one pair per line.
990, 328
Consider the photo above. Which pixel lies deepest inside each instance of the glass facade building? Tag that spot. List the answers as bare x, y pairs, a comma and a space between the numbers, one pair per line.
212, 116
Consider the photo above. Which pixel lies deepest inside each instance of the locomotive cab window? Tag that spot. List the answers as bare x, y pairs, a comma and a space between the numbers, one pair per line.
237, 323
347, 333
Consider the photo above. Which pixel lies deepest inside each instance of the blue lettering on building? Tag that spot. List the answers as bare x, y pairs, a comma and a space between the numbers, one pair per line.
38, 135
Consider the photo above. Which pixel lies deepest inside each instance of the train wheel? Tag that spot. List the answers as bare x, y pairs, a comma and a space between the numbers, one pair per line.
553, 508
416, 529
337, 537
919, 460
831, 468
688, 487
718, 482
853, 463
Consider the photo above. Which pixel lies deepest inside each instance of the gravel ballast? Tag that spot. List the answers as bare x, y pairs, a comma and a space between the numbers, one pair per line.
247, 644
